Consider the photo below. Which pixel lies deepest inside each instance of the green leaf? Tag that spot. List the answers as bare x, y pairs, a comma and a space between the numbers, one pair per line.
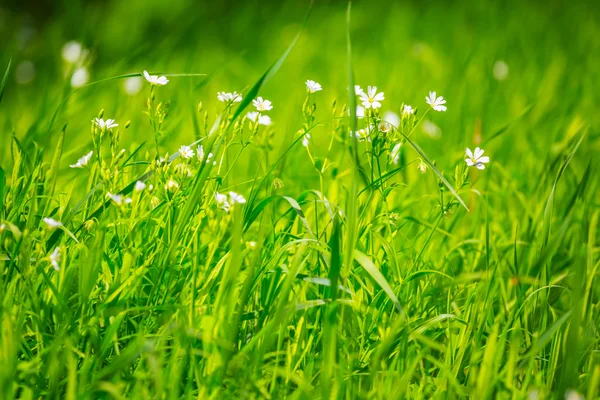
372, 270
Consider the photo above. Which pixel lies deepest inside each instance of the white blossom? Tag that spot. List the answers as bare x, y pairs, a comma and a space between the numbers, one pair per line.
83, 161
229, 97
371, 99
391, 118
305, 140
262, 119
395, 153
72, 51
222, 201
103, 125
51, 223
80, 77
358, 90
476, 158
155, 79
118, 199
312, 86
139, 186
437, 103
133, 85
186, 152
55, 258
171, 185
262, 104
408, 110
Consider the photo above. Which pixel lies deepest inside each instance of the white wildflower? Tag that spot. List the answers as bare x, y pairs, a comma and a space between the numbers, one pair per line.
104, 125
139, 186
229, 97
437, 103
72, 51
186, 152
408, 110
395, 153
262, 104
55, 258
118, 199
172, 185
358, 90
371, 99
422, 167
305, 140
51, 223
236, 198
222, 201
312, 86
476, 158
80, 77
391, 118
155, 79
83, 161
133, 85
262, 119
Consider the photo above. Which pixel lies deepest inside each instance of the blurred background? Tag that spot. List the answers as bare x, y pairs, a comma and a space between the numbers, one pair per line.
526, 70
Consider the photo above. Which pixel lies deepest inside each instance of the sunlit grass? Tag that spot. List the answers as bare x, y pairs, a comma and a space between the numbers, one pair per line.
318, 239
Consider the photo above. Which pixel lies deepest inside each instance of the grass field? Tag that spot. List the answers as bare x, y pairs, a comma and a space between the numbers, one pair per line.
164, 237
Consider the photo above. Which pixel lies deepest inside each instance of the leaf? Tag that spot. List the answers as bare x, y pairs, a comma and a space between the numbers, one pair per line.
3, 84
372, 270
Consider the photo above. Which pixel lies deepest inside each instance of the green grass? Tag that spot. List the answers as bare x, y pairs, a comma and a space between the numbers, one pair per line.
343, 274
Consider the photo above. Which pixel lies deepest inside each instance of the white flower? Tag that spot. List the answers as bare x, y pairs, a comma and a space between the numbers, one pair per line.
102, 124
437, 103
200, 152
476, 158
408, 110
362, 134
358, 90
431, 129
395, 153
171, 185
261, 104
80, 77
2, 227
385, 127
72, 51
51, 223
139, 186
571, 394
155, 79
118, 199
55, 258
186, 152
371, 99
500, 70
236, 198
312, 86
133, 85
222, 201
229, 97
262, 119
422, 167
391, 118
360, 112
83, 161
305, 140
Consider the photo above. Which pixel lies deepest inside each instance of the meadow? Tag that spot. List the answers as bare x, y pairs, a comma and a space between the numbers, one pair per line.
295, 200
